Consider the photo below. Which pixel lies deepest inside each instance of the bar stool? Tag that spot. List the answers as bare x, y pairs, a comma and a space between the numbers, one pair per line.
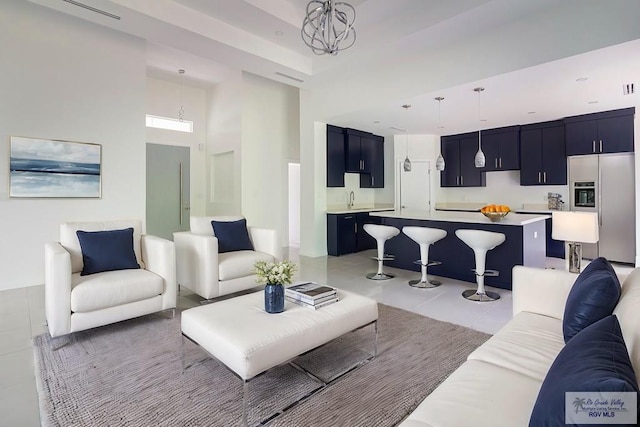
424, 236
481, 242
381, 233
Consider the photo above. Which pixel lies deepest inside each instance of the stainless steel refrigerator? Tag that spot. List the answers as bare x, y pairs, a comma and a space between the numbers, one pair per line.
605, 183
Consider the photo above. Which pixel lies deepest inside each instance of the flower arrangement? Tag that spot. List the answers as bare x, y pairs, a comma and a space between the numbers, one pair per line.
274, 273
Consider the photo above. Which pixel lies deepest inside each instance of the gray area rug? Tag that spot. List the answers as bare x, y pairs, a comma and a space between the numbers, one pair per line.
130, 374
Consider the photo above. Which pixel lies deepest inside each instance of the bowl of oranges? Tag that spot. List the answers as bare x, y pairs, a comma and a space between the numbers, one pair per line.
495, 212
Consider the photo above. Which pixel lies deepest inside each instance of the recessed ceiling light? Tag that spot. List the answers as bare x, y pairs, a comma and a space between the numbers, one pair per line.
531, 112
593, 102
483, 120
582, 79
279, 33
376, 121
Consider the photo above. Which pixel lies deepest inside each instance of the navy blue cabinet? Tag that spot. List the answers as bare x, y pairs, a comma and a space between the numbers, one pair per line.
459, 152
605, 132
501, 148
543, 159
346, 235
373, 155
359, 151
335, 156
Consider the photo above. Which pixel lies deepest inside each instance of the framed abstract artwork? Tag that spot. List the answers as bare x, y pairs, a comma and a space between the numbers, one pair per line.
44, 168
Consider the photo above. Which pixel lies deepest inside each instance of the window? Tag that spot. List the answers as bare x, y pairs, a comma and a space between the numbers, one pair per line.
169, 124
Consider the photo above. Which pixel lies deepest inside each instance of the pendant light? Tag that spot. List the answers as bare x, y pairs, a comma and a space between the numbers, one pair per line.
479, 160
181, 110
407, 163
440, 160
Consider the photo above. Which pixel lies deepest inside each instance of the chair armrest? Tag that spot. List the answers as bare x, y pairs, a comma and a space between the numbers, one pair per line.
159, 257
266, 240
57, 288
197, 263
541, 291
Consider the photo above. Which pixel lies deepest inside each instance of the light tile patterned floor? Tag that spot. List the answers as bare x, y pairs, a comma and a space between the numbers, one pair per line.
22, 317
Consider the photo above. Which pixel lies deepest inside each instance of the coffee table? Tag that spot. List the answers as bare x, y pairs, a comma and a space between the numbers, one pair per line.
249, 341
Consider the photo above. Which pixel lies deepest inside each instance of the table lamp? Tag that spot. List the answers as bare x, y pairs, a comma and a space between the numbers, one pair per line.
575, 228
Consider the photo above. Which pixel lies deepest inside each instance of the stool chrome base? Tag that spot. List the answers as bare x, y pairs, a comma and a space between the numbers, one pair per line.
473, 295
378, 276
429, 284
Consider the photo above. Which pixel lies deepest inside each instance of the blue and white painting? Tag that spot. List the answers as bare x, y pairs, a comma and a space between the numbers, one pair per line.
47, 168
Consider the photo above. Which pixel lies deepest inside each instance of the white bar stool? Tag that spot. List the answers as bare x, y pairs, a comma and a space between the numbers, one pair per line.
481, 241
381, 233
424, 236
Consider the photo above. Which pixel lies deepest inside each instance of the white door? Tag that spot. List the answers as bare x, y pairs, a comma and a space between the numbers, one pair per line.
415, 185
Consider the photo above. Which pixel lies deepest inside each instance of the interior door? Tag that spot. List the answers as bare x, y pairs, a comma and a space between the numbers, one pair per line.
415, 187
168, 190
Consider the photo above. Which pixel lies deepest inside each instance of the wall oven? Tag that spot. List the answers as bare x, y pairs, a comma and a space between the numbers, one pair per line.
584, 194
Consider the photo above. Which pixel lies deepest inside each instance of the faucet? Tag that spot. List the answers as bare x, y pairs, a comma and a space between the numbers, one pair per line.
352, 198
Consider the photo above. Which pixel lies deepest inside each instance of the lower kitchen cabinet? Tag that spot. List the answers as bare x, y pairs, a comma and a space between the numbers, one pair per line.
346, 235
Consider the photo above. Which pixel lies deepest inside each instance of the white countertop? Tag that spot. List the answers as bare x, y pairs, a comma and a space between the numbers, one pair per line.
356, 209
468, 217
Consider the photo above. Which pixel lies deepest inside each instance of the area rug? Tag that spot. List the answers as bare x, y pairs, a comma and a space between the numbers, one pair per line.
130, 374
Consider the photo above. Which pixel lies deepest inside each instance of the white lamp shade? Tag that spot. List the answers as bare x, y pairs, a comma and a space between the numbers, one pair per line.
575, 226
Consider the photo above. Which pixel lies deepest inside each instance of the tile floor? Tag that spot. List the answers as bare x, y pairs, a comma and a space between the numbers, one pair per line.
22, 317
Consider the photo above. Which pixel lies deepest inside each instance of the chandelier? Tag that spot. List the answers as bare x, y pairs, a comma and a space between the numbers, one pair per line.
328, 26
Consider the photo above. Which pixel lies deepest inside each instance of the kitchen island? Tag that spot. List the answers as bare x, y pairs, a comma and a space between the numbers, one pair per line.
524, 244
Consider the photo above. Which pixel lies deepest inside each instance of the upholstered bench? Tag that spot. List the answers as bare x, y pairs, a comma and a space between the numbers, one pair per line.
248, 340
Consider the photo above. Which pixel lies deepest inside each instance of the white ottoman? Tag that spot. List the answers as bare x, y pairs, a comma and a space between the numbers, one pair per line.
240, 334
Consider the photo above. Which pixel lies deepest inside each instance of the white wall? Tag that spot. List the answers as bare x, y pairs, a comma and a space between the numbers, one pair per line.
270, 139
163, 99
67, 79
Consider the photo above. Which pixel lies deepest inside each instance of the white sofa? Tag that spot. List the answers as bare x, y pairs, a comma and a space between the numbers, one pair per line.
74, 302
201, 269
499, 383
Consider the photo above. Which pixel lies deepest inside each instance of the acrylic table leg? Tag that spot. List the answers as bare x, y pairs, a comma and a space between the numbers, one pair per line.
375, 345
245, 397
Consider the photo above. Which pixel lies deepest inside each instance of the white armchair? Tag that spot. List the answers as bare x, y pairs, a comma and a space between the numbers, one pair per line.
74, 302
211, 274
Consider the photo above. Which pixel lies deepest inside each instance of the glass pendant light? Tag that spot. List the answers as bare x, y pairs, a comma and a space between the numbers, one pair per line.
407, 163
479, 160
440, 160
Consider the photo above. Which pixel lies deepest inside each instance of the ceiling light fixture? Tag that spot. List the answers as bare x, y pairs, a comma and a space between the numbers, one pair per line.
407, 163
181, 110
328, 26
479, 160
440, 160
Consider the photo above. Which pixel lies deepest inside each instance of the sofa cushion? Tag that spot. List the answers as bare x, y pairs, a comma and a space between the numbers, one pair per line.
113, 288
69, 238
107, 250
528, 344
594, 360
627, 313
478, 393
232, 265
593, 296
232, 235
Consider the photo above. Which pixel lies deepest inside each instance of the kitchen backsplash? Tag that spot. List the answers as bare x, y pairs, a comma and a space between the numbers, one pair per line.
340, 196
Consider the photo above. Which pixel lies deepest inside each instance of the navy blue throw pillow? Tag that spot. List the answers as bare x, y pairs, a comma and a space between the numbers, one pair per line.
593, 296
595, 360
107, 250
232, 235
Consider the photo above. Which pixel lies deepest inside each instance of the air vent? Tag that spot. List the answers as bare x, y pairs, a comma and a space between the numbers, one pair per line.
628, 89
289, 77
92, 9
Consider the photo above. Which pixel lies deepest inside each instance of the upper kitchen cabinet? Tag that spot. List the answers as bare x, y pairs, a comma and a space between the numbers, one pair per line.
359, 149
335, 156
543, 159
501, 148
374, 156
605, 132
459, 152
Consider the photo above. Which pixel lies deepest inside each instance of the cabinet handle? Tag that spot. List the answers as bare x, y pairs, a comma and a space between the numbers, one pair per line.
457, 180
363, 165
539, 177
461, 179
500, 162
593, 150
355, 228
348, 217
496, 163
373, 180
544, 177
601, 146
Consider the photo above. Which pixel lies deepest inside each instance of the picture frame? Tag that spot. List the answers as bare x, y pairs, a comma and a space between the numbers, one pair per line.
49, 168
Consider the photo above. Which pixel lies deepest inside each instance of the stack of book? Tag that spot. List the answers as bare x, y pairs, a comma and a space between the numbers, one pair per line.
311, 295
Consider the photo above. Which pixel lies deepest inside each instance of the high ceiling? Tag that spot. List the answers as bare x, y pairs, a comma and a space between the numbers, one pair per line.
528, 54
